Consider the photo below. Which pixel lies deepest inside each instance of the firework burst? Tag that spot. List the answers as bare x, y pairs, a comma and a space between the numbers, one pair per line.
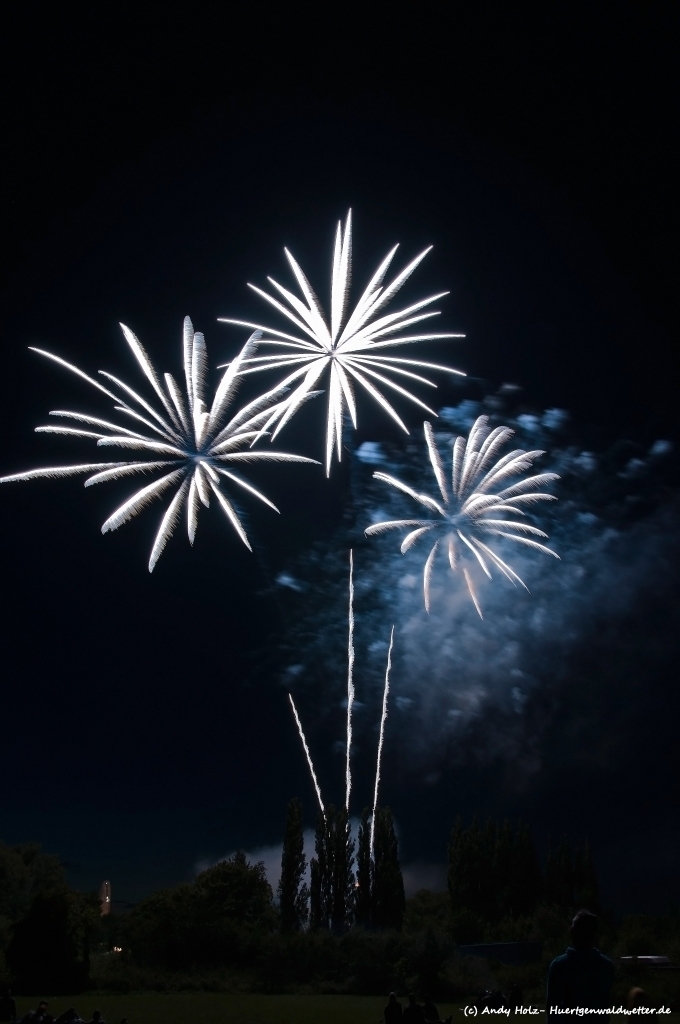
191, 443
349, 345
474, 506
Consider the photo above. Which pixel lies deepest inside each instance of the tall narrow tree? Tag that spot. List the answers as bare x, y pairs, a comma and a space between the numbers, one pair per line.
559, 876
527, 883
389, 900
587, 890
292, 892
363, 899
342, 875
321, 867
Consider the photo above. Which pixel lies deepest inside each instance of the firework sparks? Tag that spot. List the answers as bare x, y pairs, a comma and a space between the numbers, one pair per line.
383, 719
190, 442
349, 345
307, 754
350, 682
470, 505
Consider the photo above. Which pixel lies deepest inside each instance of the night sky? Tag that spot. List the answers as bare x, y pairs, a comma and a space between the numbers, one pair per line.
150, 170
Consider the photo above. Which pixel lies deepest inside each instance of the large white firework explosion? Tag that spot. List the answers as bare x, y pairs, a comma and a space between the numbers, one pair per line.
472, 509
349, 345
193, 441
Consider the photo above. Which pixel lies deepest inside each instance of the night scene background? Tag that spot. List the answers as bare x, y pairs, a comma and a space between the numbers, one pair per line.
151, 170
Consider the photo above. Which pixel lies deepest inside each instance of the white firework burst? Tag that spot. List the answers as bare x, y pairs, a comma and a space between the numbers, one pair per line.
350, 345
477, 504
191, 443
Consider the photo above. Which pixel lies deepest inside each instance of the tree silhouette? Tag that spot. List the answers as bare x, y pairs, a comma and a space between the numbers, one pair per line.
389, 901
494, 872
292, 891
332, 878
364, 890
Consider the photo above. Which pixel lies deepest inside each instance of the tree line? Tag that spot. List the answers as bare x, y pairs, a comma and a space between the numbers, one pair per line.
494, 873
343, 914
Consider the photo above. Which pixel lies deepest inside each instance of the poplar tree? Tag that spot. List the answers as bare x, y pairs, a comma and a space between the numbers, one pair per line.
559, 876
389, 901
586, 888
364, 894
332, 880
527, 882
320, 867
341, 874
292, 891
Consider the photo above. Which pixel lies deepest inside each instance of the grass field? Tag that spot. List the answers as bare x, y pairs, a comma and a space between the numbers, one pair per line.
218, 1008
208, 1008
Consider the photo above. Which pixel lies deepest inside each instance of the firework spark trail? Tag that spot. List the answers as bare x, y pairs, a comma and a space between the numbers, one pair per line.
466, 508
309, 756
383, 718
350, 681
193, 438
349, 344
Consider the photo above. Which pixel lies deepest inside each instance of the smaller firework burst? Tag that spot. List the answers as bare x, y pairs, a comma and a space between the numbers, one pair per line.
476, 505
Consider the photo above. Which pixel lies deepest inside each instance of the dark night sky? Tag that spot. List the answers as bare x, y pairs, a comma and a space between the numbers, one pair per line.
151, 169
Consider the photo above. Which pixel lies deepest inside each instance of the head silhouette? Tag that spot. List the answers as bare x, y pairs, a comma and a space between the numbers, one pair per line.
583, 930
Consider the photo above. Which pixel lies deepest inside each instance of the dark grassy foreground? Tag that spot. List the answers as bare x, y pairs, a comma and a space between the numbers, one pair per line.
223, 1008
219, 1008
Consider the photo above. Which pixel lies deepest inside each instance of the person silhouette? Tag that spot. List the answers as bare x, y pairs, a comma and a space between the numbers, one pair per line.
8, 1009
39, 1016
430, 1010
392, 1013
582, 977
413, 1013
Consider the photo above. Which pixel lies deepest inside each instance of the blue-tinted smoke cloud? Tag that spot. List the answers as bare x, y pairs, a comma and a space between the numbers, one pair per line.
615, 530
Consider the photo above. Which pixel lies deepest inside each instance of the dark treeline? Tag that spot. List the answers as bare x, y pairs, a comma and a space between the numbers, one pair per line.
494, 874
339, 924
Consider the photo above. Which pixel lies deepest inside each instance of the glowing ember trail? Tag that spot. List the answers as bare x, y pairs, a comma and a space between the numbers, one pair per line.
309, 756
383, 718
350, 681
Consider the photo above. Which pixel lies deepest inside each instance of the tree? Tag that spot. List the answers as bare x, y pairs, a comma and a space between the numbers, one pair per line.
558, 885
586, 888
342, 875
24, 872
332, 878
316, 908
235, 889
364, 889
292, 891
471, 869
526, 883
320, 867
389, 900
49, 950
493, 873
208, 922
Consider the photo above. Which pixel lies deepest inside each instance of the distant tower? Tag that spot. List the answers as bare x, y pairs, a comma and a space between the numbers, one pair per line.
105, 899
